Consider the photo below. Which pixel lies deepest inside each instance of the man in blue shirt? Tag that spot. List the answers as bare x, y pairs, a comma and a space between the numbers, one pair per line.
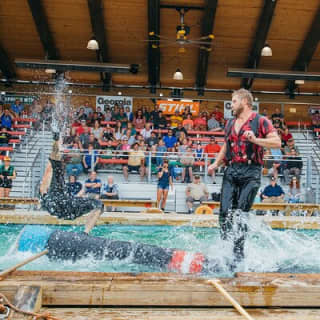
6, 119
17, 107
170, 140
273, 193
93, 186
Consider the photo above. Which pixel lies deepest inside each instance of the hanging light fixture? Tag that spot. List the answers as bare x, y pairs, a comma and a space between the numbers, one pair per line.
178, 75
50, 71
266, 51
93, 44
299, 81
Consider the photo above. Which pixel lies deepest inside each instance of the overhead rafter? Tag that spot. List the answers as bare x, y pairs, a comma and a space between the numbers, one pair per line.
153, 53
43, 29
206, 29
98, 29
307, 50
260, 38
6, 65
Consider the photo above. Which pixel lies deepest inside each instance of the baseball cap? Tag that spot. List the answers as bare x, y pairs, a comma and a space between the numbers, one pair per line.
6, 158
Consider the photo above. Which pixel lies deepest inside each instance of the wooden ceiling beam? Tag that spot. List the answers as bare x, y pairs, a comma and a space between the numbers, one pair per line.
43, 29
206, 29
98, 29
307, 50
262, 31
153, 53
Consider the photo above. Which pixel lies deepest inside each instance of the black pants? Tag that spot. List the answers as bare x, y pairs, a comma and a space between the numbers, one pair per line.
240, 185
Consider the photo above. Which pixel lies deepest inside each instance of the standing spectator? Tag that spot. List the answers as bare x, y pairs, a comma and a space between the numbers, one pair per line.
92, 186
212, 149
200, 123
110, 191
7, 175
90, 158
17, 108
170, 140
139, 121
196, 191
146, 113
292, 166
294, 191
273, 193
135, 162
176, 119
164, 181
160, 122
154, 114
6, 119
187, 161
188, 122
213, 124
73, 187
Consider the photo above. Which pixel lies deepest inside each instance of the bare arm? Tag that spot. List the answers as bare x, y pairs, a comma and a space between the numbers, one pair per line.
46, 180
272, 140
219, 159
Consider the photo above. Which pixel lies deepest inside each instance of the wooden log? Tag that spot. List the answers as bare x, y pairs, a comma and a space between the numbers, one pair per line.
152, 290
129, 203
28, 298
180, 313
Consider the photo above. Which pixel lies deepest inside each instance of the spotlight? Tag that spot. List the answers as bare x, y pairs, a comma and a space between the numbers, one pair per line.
50, 71
178, 75
119, 93
93, 44
299, 81
70, 91
3, 93
266, 51
161, 94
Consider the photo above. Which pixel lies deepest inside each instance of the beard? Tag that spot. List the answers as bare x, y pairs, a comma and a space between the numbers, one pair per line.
236, 113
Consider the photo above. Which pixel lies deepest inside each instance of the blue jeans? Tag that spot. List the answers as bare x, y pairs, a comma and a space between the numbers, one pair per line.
74, 169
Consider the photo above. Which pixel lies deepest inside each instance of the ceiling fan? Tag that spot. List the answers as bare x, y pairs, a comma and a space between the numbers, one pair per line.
181, 40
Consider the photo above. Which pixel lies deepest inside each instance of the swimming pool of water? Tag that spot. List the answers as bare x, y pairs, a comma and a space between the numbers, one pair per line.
267, 250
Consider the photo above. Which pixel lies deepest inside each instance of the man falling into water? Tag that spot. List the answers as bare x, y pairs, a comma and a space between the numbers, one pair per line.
57, 201
246, 136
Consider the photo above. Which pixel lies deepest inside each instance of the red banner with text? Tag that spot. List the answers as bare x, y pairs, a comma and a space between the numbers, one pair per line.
170, 107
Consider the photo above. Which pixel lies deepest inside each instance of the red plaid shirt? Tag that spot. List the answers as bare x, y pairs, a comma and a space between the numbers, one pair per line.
239, 143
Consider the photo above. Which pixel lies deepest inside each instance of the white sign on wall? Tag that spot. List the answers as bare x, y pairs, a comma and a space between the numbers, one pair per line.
111, 101
228, 111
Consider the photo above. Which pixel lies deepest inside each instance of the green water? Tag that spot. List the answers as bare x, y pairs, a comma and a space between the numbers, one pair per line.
267, 250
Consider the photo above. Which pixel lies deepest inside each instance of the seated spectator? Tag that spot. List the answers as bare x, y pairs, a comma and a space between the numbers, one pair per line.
6, 119
132, 129
182, 138
74, 165
87, 109
213, 124
277, 116
110, 190
93, 117
92, 186
130, 138
139, 120
4, 137
290, 145
82, 128
187, 161
179, 130
146, 113
135, 162
264, 113
199, 152
100, 114
108, 115
196, 191
90, 158
146, 131
7, 175
122, 117
154, 114
273, 193
129, 114
115, 112
160, 122
294, 191
82, 115
123, 147
153, 140
118, 131
17, 108
108, 151
170, 140
286, 135
183, 147
84, 137
293, 166
161, 151
188, 122
212, 149
47, 112
277, 157
151, 159
73, 187
97, 131
107, 134
94, 141
175, 119
315, 120
200, 123
218, 114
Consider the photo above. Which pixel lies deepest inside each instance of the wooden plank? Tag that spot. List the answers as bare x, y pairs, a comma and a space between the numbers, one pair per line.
106, 289
129, 203
178, 313
19, 200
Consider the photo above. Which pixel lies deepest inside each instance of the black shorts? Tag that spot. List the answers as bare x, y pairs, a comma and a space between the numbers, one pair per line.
6, 183
133, 168
68, 207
